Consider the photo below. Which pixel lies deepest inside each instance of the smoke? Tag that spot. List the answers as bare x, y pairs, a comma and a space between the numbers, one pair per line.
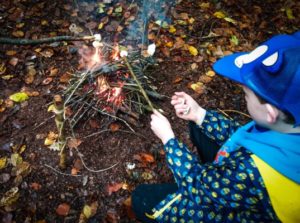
155, 10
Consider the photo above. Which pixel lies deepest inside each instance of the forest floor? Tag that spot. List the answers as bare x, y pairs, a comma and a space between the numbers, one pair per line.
32, 187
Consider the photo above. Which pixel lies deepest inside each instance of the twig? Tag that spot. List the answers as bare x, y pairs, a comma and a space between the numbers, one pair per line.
57, 171
94, 171
241, 113
139, 84
5, 40
44, 122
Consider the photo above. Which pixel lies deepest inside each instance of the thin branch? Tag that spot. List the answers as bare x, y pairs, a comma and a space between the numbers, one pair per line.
94, 171
57, 171
12, 41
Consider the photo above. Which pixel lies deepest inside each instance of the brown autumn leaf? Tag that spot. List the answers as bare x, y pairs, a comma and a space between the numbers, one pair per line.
18, 33
47, 53
111, 188
35, 186
53, 71
63, 209
114, 127
65, 77
74, 143
74, 171
205, 79
144, 158
177, 80
11, 52
78, 164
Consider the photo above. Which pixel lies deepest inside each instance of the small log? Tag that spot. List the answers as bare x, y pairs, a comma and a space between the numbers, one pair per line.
12, 41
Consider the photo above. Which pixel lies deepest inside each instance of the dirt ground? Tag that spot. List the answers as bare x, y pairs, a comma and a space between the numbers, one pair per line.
43, 189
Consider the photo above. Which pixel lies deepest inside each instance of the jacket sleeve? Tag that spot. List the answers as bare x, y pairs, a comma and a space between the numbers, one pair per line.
218, 127
229, 184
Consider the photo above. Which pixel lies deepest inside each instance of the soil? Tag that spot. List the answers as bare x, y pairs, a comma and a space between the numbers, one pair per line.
28, 123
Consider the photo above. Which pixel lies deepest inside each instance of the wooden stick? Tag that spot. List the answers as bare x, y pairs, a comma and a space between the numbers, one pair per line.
139, 84
11, 41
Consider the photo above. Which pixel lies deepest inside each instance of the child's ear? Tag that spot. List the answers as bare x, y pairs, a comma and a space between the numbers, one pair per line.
272, 113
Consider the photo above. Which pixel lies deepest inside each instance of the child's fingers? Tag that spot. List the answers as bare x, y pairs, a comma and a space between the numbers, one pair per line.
181, 106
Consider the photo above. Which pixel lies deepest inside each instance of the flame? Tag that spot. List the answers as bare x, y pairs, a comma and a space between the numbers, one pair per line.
112, 95
91, 58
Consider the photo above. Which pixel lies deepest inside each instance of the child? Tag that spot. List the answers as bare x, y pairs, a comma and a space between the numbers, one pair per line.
255, 174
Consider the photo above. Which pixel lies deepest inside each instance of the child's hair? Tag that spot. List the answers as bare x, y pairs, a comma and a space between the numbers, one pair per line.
288, 118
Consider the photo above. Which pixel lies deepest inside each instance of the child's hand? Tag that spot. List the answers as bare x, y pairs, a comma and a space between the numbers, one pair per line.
187, 108
161, 127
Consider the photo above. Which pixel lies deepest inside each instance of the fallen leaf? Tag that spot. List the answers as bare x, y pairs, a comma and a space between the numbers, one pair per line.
193, 50
210, 73
73, 143
7, 77
205, 79
11, 52
191, 20
234, 40
10, 197
197, 87
35, 186
44, 22
74, 171
47, 53
219, 15
23, 169
53, 71
144, 158
147, 175
18, 33
2, 68
172, 29
20, 25
184, 16
289, 13
111, 188
230, 20
63, 209
3, 162
50, 138
16, 159
179, 43
177, 80
22, 149
19, 97
194, 66
65, 77
114, 127
90, 210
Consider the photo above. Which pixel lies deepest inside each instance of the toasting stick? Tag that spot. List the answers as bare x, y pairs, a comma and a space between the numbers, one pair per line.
124, 55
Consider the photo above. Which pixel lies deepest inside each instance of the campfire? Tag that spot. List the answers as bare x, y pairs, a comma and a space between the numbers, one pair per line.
114, 83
